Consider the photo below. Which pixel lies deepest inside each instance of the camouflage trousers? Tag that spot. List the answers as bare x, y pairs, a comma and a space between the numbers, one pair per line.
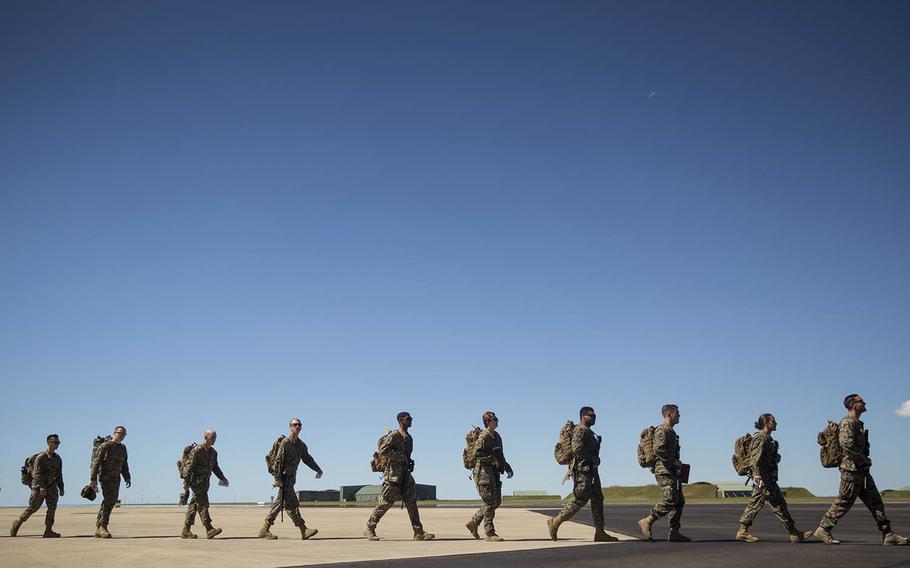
768, 491
586, 488
291, 505
34, 503
110, 491
672, 500
405, 491
199, 504
855, 484
490, 490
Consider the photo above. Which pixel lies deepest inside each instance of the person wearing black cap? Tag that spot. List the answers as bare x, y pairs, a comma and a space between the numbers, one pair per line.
47, 487
397, 481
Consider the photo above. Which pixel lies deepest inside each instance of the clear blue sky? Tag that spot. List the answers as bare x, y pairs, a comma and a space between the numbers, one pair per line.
227, 215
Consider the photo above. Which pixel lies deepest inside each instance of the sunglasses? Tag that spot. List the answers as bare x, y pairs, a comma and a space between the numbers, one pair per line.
296, 425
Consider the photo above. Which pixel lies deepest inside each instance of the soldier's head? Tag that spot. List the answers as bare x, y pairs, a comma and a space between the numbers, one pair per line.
766, 420
405, 420
670, 412
855, 403
53, 441
587, 416
490, 420
295, 426
119, 434
210, 436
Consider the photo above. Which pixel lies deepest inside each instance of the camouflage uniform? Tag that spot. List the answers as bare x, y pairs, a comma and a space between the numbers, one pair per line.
397, 482
763, 461
486, 478
855, 479
200, 464
666, 448
108, 465
290, 454
48, 475
585, 461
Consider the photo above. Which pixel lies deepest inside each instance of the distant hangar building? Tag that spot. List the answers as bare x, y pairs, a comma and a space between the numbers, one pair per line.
727, 489
319, 495
367, 493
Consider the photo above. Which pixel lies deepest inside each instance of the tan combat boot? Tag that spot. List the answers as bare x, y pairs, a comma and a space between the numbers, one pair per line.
797, 535
676, 536
553, 527
472, 528
423, 535
14, 530
49, 533
265, 533
824, 535
600, 535
493, 537
891, 539
102, 532
211, 532
306, 533
645, 526
187, 532
370, 533
743, 534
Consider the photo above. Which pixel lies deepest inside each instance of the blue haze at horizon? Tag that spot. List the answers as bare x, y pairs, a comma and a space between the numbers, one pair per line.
338, 211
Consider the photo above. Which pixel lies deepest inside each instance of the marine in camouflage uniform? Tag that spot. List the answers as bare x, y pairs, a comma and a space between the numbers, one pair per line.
397, 482
585, 478
666, 472
855, 478
763, 460
291, 452
201, 462
109, 463
491, 463
47, 487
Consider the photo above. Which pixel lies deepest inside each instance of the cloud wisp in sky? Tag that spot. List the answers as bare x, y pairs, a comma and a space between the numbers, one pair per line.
903, 410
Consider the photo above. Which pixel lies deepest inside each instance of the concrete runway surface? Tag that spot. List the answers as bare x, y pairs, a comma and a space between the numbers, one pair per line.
714, 528
145, 537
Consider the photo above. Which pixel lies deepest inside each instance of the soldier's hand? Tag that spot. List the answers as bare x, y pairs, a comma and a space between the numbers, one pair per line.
42, 491
62, 493
318, 474
128, 484
95, 485
277, 483
509, 474
757, 480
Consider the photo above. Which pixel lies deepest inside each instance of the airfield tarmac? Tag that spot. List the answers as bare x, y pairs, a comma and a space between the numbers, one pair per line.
145, 537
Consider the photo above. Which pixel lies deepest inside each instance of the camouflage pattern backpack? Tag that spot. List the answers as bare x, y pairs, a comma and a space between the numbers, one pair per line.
563, 450
646, 456
471, 442
378, 463
27, 471
182, 461
741, 458
830, 453
96, 444
271, 458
